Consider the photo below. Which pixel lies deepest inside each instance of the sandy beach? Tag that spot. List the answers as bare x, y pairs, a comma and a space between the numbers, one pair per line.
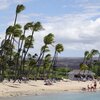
37, 87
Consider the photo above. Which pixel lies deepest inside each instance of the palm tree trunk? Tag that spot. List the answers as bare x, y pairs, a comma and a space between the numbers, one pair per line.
15, 19
40, 60
12, 37
52, 64
19, 51
23, 62
17, 62
22, 40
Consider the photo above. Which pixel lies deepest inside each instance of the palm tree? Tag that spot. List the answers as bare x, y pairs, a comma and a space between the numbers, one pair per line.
93, 53
89, 57
35, 27
16, 33
19, 9
58, 49
13, 59
48, 40
21, 41
85, 56
31, 64
26, 27
46, 65
83, 67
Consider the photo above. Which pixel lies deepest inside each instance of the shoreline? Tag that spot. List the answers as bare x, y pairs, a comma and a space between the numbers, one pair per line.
9, 89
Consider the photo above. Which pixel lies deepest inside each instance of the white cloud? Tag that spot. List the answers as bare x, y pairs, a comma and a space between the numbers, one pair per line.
83, 5
75, 32
78, 31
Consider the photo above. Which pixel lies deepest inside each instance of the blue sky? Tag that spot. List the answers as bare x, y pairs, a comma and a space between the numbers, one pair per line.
75, 23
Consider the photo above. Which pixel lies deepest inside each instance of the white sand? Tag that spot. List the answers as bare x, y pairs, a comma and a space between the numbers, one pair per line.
38, 87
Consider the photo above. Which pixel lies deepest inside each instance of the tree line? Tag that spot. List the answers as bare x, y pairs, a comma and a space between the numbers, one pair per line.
16, 61
91, 61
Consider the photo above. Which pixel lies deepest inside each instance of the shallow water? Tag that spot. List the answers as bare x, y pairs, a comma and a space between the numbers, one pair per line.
60, 96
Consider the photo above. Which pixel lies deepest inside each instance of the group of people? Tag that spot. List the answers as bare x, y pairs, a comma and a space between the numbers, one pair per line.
92, 87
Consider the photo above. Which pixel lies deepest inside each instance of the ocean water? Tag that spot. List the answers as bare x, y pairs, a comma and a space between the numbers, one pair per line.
60, 96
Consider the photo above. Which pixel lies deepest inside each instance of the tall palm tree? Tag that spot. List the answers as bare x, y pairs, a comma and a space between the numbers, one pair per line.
93, 53
22, 37
90, 56
19, 9
26, 27
48, 40
46, 65
35, 27
58, 49
85, 56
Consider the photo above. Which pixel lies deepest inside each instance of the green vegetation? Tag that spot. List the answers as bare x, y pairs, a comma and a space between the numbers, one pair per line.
91, 61
16, 61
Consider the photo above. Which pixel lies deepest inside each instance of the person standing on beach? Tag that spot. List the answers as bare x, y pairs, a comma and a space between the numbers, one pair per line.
88, 88
95, 84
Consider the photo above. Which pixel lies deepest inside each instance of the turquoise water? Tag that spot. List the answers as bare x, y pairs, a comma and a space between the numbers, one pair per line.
60, 96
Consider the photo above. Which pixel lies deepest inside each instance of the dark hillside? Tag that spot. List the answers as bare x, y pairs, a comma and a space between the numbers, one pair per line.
72, 63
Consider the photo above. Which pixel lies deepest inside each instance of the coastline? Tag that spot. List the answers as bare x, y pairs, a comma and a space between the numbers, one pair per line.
9, 89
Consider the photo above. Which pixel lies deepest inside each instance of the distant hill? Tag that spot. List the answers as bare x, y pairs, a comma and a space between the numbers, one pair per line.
71, 62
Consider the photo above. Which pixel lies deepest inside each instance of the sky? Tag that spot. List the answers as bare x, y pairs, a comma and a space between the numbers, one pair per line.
75, 23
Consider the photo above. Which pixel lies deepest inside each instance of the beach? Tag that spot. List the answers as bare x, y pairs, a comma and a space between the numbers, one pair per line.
8, 89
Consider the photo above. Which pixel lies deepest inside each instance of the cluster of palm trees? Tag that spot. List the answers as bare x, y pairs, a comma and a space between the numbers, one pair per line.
16, 61
90, 59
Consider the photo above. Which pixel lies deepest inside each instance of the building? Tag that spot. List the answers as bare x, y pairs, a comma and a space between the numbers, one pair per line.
81, 75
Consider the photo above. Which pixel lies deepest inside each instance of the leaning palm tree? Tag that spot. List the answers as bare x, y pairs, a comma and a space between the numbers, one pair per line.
85, 56
35, 27
48, 40
21, 41
93, 53
46, 65
16, 33
58, 49
19, 9
90, 56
